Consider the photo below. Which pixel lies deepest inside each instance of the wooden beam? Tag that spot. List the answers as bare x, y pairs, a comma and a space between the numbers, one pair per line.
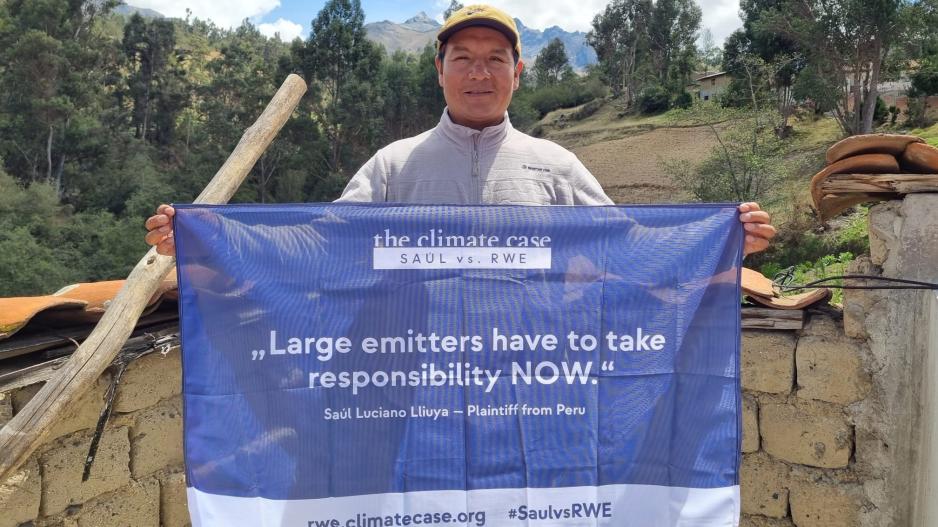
31, 425
764, 318
30, 375
880, 183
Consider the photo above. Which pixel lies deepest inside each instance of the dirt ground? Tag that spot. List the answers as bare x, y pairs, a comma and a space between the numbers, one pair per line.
630, 168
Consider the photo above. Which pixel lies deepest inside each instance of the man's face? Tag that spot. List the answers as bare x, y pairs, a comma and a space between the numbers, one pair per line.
478, 75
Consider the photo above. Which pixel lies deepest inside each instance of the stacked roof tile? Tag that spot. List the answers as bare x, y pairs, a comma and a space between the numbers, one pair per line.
892, 161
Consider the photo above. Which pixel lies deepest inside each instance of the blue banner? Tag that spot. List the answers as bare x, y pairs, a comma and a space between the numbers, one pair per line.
357, 365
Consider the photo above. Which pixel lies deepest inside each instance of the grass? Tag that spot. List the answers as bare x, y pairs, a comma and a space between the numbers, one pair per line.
608, 123
804, 156
824, 267
811, 133
929, 134
808, 254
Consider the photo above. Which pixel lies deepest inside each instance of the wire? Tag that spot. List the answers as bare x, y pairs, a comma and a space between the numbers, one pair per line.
127, 355
781, 280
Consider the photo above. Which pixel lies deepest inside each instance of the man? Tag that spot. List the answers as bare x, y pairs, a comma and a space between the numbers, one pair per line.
474, 155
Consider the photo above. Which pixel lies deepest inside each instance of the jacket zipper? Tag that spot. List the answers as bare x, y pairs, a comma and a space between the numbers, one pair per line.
476, 181
475, 155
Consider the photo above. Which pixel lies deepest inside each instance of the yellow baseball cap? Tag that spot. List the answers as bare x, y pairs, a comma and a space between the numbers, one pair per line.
480, 15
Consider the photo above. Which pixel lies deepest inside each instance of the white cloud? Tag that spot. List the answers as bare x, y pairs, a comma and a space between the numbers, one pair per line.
721, 16
225, 13
287, 29
571, 16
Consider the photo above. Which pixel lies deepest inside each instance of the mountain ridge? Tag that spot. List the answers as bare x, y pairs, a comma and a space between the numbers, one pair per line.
419, 30
129, 10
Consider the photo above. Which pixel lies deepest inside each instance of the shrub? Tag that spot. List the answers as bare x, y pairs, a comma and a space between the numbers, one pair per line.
29, 267
915, 113
565, 95
744, 166
893, 115
683, 100
523, 115
653, 99
881, 112
530, 105
588, 109
798, 243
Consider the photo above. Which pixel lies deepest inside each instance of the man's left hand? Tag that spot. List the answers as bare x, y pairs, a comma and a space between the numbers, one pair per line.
756, 223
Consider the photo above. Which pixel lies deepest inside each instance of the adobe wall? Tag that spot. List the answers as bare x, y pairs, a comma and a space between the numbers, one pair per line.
800, 392
137, 478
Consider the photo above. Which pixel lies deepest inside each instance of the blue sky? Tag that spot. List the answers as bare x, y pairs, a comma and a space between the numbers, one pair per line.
304, 12
292, 18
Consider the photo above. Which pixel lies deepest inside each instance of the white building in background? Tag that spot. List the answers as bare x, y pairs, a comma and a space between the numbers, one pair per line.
710, 85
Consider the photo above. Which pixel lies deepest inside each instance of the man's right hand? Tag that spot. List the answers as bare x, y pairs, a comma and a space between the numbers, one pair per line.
160, 227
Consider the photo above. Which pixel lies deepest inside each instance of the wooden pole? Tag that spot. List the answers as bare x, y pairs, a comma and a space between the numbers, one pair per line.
30, 427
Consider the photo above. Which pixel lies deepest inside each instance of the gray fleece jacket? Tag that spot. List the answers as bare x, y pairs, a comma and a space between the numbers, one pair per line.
453, 164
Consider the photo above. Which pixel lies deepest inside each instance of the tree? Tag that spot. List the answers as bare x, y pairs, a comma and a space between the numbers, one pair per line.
243, 76
643, 45
918, 18
672, 35
404, 115
344, 65
757, 37
710, 55
621, 43
551, 64
248, 68
51, 78
453, 7
758, 50
924, 84
43, 246
849, 42
430, 95
149, 48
